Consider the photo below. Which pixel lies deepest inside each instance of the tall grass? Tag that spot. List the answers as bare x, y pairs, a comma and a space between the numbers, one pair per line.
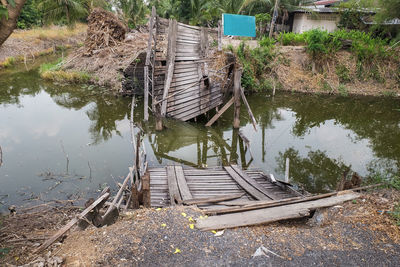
49, 33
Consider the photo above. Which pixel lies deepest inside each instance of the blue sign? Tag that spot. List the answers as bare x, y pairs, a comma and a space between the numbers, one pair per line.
239, 25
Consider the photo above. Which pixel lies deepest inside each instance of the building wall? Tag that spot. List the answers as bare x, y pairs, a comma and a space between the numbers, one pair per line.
305, 21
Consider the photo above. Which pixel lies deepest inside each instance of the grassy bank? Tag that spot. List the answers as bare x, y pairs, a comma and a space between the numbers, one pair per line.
27, 45
342, 62
53, 72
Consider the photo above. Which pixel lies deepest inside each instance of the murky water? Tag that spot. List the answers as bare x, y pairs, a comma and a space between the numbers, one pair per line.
63, 142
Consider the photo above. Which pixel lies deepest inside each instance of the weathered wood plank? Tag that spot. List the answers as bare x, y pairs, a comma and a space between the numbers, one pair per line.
174, 195
253, 182
268, 215
220, 112
253, 120
64, 229
245, 185
172, 39
183, 187
188, 116
196, 201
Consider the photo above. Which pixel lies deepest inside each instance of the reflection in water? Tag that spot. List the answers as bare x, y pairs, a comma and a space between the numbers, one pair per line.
320, 135
316, 172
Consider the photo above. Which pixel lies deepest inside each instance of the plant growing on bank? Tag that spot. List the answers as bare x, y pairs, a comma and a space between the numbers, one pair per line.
256, 63
53, 72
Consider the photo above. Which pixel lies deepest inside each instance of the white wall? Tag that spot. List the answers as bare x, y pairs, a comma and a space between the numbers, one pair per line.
325, 21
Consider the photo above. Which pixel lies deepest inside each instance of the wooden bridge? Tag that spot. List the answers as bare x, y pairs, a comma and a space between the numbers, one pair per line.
172, 185
176, 71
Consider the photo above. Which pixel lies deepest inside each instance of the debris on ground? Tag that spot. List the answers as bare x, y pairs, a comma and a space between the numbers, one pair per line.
357, 232
104, 30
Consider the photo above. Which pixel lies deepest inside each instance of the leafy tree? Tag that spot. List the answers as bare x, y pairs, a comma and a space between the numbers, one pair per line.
29, 16
133, 12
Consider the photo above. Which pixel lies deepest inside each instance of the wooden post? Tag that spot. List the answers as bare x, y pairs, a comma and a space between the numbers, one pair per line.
236, 95
146, 199
287, 171
219, 36
157, 114
146, 67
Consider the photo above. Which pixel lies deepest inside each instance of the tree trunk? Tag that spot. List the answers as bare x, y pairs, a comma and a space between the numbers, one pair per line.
7, 26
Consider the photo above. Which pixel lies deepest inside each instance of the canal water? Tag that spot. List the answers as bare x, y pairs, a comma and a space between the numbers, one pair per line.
68, 142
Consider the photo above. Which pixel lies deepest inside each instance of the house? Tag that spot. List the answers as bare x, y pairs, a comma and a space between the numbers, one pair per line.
319, 15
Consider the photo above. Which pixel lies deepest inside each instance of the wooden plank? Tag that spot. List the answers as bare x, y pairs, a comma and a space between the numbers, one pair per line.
183, 187
188, 116
60, 232
245, 185
188, 58
172, 35
220, 112
196, 201
220, 36
173, 189
191, 104
182, 100
253, 120
253, 182
268, 215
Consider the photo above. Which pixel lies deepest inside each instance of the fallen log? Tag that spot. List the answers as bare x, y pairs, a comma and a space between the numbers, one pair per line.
72, 222
268, 215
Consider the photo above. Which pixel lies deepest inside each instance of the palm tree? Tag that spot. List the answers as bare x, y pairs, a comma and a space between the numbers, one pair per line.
133, 12
68, 10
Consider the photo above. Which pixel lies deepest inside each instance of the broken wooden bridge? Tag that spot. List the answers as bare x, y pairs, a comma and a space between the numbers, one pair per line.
173, 185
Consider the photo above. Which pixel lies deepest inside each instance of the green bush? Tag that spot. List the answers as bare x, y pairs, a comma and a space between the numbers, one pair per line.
343, 73
256, 62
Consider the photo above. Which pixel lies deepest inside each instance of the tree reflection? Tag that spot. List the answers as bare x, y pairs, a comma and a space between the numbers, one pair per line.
316, 172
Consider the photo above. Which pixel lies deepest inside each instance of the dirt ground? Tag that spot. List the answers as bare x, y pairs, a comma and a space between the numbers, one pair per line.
33, 43
358, 233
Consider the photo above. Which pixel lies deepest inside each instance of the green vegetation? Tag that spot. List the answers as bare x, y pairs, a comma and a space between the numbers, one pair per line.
8, 62
365, 47
396, 214
343, 73
343, 90
53, 72
256, 63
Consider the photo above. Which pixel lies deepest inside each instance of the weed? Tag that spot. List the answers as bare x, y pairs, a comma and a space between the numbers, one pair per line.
256, 63
343, 73
325, 86
343, 91
396, 214
389, 93
8, 62
4, 251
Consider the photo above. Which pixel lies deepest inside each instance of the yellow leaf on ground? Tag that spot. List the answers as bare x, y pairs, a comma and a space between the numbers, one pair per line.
213, 231
163, 225
191, 219
177, 250
183, 214
191, 226
157, 209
